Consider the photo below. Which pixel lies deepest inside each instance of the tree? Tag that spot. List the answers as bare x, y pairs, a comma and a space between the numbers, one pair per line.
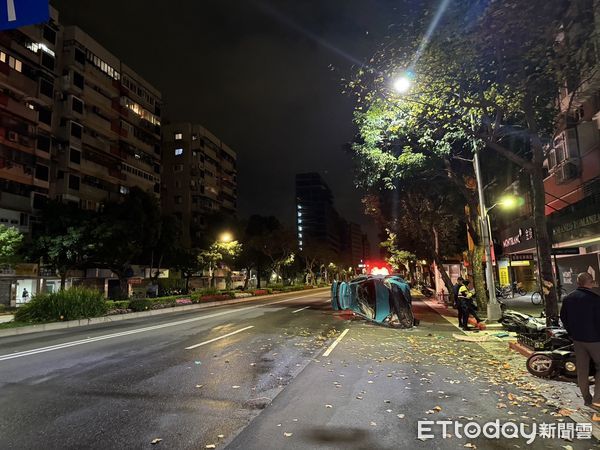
10, 242
487, 85
397, 258
124, 232
186, 261
216, 253
63, 238
315, 254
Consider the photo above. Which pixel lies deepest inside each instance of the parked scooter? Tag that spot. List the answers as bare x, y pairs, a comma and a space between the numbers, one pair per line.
522, 323
425, 290
557, 363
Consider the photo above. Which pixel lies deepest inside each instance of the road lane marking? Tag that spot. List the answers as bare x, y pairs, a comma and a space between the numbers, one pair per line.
301, 309
141, 330
336, 342
219, 338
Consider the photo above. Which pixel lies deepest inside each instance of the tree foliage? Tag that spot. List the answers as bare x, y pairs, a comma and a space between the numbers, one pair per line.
487, 79
10, 242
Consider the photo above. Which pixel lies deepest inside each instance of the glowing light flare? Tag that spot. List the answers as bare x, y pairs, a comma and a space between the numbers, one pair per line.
226, 237
402, 84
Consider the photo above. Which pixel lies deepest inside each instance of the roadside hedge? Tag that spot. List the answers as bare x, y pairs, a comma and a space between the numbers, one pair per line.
71, 304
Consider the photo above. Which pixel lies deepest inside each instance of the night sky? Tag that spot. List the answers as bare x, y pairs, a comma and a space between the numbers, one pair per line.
264, 76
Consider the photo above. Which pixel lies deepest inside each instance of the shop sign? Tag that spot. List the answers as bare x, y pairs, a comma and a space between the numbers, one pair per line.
566, 251
573, 227
523, 235
522, 257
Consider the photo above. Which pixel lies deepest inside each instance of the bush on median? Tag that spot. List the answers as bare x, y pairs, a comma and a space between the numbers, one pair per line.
71, 304
140, 304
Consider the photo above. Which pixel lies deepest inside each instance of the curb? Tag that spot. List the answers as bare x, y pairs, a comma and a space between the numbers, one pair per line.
519, 348
135, 315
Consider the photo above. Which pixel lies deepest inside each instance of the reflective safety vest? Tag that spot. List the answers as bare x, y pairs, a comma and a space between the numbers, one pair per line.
464, 292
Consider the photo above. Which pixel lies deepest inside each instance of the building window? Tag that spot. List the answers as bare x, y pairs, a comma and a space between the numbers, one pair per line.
43, 143
178, 136
15, 64
41, 172
39, 200
178, 151
178, 184
49, 34
75, 156
45, 116
79, 56
48, 61
46, 88
178, 168
78, 80
156, 168
123, 190
76, 130
76, 105
74, 181
178, 199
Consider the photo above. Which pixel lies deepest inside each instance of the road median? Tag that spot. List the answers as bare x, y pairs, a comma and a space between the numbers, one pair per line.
37, 328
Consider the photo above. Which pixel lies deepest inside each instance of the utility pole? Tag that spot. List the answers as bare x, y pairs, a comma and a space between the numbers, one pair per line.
494, 312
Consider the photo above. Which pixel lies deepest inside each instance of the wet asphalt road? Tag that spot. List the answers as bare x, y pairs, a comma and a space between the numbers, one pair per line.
126, 390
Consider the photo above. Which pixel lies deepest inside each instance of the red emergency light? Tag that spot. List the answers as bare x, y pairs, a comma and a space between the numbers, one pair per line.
378, 268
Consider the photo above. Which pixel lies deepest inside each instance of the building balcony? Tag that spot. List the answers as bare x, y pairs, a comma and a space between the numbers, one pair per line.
17, 108
15, 80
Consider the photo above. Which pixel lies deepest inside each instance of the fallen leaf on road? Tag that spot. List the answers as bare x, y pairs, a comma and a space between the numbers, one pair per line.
437, 408
221, 436
155, 441
210, 446
199, 385
197, 362
388, 410
373, 424
358, 397
400, 416
235, 387
288, 434
469, 445
328, 406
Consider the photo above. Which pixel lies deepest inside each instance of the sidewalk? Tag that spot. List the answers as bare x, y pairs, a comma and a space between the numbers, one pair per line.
561, 394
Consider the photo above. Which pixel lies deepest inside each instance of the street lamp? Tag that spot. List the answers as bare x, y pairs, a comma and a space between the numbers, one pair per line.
402, 84
226, 237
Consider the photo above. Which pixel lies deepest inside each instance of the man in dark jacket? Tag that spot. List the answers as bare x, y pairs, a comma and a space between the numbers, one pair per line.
580, 315
455, 289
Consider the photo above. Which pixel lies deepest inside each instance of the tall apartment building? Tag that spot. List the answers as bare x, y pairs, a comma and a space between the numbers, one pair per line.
76, 123
199, 177
318, 223
107, 126
28, 73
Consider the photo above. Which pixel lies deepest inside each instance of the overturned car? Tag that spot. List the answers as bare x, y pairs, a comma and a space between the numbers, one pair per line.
385, 300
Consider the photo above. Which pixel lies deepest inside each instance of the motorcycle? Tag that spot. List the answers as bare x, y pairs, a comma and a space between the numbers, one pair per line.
426, 291
517, 288
556, 363
522, 323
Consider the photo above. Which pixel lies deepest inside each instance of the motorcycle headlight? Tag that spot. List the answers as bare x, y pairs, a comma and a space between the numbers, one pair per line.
570, 366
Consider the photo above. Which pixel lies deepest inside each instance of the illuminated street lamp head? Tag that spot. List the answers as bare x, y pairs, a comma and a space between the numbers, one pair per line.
402, 84
226, 237
509, 202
